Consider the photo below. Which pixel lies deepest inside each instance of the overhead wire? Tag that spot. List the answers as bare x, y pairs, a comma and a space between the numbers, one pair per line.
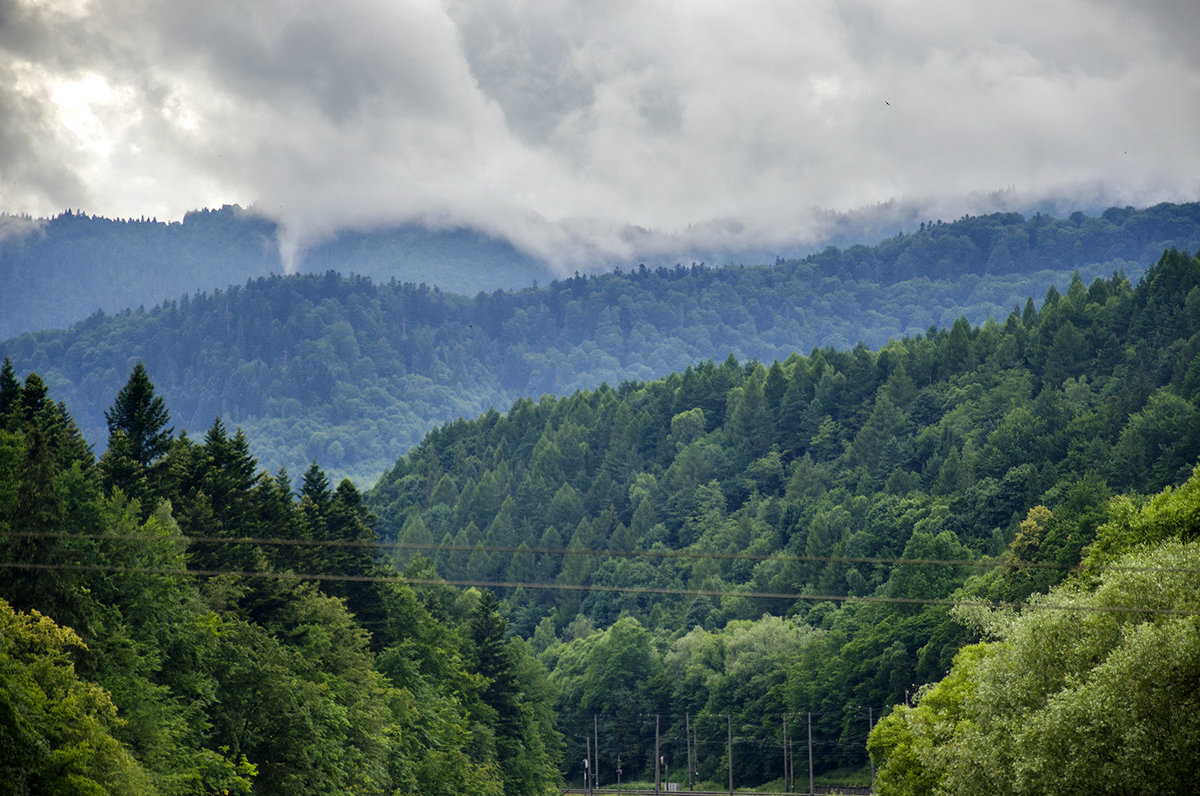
593, 552
594, 587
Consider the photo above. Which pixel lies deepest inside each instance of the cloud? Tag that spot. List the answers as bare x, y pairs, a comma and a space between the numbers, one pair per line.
586, 132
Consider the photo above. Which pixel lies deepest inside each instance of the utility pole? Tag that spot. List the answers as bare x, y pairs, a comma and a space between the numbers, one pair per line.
596, 748
810, 766
587, 763
785, 769
871, 726
687, 740
791, 766
729, 749
657, 778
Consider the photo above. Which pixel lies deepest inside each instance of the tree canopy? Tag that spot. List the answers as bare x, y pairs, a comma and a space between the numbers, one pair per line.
1090, 687
354, 370
185, 623
856, 493
980, 532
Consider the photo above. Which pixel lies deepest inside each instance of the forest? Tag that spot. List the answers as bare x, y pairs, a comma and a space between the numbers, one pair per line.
756, 542
61, 269
353, 373
161, 635
964, 558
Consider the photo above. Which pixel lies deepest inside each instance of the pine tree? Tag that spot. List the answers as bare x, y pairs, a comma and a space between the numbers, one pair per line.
10, 391
491, 657
315, 487
32, 399
142, 417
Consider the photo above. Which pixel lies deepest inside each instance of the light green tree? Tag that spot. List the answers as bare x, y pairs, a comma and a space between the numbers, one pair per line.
56, 729
1090, 688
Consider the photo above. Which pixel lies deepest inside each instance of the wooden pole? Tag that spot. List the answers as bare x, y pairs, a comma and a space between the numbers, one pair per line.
785, 770
791, 767
687, 740
871, 726
657, 778
810, 762
596, 748
729, 749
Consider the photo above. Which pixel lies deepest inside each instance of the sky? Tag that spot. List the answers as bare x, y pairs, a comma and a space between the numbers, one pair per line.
583, 130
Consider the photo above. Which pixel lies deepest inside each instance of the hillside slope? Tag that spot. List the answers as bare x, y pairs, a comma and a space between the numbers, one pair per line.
353, 373
854, 492
57, 271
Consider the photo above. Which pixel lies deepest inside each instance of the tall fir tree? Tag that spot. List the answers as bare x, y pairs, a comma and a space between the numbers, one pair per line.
142, 417
10, 391
138, 441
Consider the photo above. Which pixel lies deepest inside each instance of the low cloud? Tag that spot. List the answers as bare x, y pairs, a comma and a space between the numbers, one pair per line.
588, 133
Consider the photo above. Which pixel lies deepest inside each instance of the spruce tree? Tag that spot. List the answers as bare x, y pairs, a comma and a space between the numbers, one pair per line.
315, 486
10, 390
142, 417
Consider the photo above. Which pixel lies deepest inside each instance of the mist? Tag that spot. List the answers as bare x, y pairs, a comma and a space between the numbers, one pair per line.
587, 134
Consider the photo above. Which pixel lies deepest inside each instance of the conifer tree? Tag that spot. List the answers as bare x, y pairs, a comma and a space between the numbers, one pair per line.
315, 486
10, 390
142, 417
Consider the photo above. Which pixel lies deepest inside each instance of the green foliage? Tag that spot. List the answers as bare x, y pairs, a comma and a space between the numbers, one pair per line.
350, 372
138, 438
56, 729
240, 679
972, 462
142, 417
1090, 687
743, 543
521, 733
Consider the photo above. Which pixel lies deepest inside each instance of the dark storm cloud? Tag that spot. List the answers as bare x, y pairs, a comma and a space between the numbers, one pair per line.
585, 131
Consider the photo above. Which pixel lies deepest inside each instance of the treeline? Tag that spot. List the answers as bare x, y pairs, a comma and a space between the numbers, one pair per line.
766, 541
175, 621
56, 271
353, 373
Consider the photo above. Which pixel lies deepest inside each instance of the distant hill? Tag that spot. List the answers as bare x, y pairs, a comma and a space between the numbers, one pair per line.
353, 372
57, 271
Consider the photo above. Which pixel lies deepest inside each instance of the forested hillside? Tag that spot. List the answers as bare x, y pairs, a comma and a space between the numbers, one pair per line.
353, 373
762, 541
57, 271
729, 558
161, 630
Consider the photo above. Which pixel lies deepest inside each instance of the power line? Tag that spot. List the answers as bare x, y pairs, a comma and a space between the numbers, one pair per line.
591, 587
583, 551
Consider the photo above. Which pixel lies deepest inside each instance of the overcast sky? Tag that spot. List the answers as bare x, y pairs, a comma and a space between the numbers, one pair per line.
563, 124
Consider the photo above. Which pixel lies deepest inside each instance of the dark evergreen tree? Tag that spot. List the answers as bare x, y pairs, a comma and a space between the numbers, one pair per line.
315, 487
10, 392
142, 417
521, 745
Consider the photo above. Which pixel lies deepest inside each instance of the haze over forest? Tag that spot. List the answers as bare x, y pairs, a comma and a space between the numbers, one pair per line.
352, 373
431, 397
583, 135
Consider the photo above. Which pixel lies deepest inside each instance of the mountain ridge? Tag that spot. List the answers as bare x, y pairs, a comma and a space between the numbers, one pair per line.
353, 373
